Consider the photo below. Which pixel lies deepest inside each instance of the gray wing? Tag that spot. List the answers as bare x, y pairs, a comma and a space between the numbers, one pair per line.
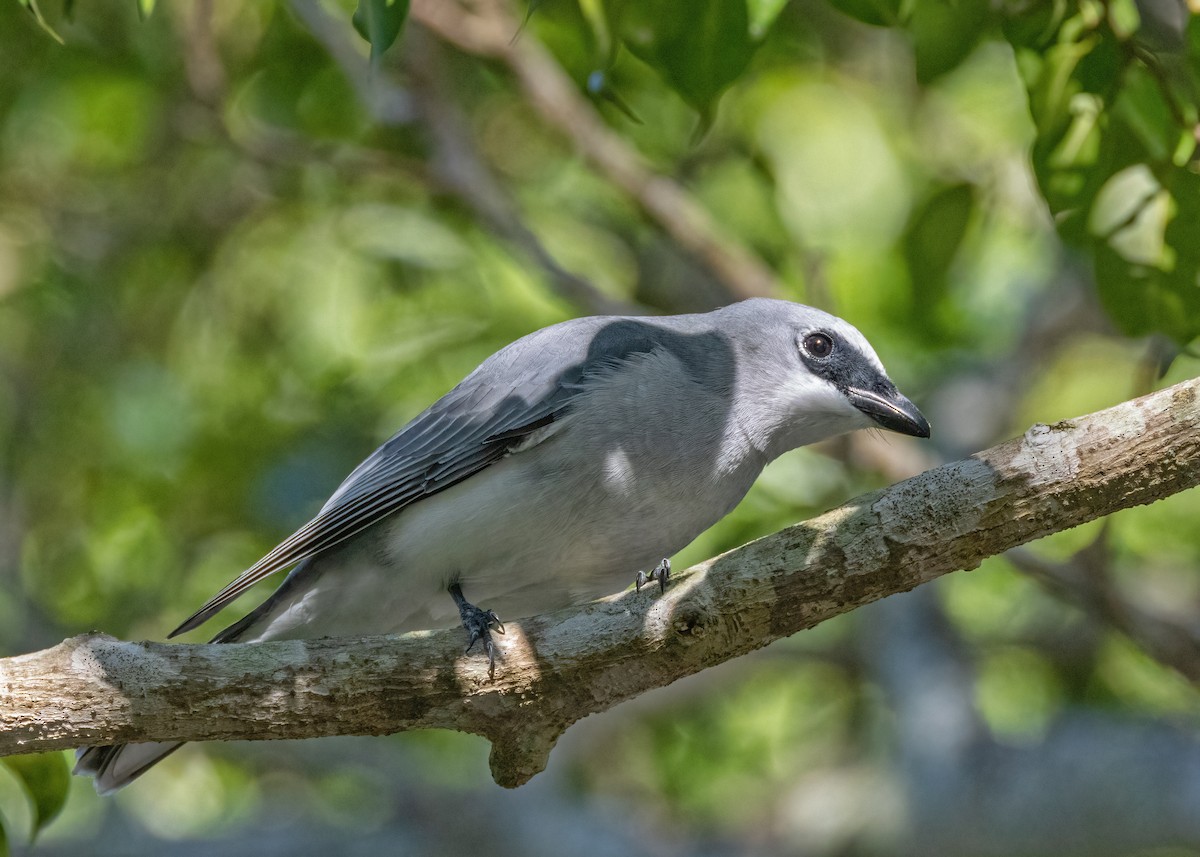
497, 408
495, 411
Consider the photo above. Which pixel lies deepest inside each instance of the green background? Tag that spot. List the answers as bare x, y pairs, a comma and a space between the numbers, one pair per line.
226, 275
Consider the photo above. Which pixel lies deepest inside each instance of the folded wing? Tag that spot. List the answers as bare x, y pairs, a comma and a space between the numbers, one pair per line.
474, 425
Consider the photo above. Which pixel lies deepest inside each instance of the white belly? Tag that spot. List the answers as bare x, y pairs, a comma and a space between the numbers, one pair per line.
513, 545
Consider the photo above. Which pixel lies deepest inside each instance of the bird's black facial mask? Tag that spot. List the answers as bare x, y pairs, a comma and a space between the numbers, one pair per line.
861, 382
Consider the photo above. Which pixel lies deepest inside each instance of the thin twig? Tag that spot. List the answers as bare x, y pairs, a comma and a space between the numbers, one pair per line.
489, 32
458, 166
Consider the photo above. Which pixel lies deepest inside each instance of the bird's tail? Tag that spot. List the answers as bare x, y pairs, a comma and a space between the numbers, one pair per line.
118, 765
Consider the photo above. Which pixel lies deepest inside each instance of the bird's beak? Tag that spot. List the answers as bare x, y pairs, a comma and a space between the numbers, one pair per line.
891, 410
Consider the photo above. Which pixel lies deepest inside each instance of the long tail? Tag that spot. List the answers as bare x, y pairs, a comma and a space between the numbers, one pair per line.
118, 765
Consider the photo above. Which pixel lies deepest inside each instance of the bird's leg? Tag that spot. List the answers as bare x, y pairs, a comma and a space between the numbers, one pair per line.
661, 573
479, 625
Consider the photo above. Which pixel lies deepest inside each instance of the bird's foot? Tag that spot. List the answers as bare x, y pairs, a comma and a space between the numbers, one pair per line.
479, 625
661, 573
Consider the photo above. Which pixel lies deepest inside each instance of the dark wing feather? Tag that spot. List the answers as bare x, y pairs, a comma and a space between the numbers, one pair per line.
471, 427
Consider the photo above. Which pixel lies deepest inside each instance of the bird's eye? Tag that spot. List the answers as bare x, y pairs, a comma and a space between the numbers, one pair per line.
818, 345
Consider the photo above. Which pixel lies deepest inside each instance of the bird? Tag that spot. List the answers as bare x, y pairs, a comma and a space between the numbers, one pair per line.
560, 468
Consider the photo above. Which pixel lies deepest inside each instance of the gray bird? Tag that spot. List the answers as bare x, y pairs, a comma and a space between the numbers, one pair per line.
563, 466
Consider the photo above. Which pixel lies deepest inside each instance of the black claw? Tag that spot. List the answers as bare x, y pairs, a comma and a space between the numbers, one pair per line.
661, 573
479, 625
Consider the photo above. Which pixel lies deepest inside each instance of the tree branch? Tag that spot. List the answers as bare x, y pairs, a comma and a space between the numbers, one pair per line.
1170, 637
562, 666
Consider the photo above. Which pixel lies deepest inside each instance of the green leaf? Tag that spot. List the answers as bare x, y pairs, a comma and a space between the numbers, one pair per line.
1182, 235
762, 15
1123, 18
1144, 299
877, 13
1192, 49
145, 8
1142, 107
1050, 79
698, 50
1081, 141
930, 245
932, 240
3, 840
380, 22
1100, 69
945, 32
1032, 24
599, 18
36, 11
46, 780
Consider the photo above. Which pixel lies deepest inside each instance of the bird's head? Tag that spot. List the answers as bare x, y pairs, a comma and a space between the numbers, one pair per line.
812, 375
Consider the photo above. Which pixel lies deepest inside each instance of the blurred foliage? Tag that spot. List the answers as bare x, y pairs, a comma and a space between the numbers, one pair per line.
223, 280
1115, 106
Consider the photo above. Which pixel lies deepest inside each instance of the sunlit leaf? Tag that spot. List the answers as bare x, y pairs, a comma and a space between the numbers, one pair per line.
380, 22
1123, 17
1079, 146
1130, 214
1050, 79
596, 13
698, 54
145, 8
46, 780
1113, 129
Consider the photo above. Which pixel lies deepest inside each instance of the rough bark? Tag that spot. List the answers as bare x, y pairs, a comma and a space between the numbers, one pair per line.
560, 667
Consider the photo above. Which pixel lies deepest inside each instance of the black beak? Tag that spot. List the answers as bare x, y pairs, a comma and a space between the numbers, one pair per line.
891, 410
